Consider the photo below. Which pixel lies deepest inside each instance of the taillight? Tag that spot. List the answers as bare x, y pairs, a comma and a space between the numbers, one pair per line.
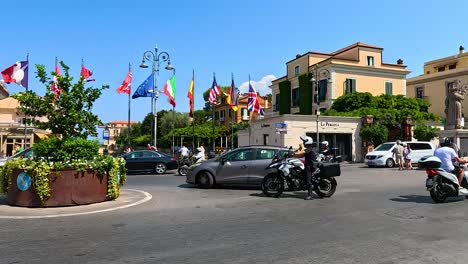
174, 159
431, 172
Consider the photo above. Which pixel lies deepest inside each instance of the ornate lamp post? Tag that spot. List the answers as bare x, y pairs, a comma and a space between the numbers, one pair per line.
315, 80
156, 58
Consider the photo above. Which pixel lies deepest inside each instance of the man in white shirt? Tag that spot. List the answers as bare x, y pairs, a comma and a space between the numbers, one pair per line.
448, 155
184, 152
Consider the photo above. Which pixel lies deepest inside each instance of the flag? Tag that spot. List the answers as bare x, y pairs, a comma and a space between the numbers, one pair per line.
214, 92
146, 88
253, 104
190, 93
126, 84
233, 96
169, 90
16, 73
54, 86
86, 74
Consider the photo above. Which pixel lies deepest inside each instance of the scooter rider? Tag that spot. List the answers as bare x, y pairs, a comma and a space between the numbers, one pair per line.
310, 156
448, 156
326, 148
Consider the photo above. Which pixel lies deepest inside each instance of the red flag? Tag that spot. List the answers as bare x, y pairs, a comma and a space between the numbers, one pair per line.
54, 86
85, 73
126, 84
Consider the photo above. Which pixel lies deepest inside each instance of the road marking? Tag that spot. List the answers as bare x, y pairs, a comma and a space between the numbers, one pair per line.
147, 198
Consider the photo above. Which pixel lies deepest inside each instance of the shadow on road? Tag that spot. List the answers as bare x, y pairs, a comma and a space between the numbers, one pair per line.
413, 199
296, 195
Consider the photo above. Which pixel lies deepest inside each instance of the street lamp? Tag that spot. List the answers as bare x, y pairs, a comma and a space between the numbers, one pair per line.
315, 80
155, 58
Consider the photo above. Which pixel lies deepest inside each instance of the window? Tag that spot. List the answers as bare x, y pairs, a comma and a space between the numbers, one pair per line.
277, 102
223, 100
350, 86
217, 115
296, 71
135, 155
452, 66
116, 132
240, 155
370, 61
441, 69
230, 112
222, 115
389, 88
150, 154
265, 154
245, 114
420, 92
322, 90
420, 146
265, 139
295, 97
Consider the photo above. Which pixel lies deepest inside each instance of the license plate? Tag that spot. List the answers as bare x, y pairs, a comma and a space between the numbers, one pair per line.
429, 183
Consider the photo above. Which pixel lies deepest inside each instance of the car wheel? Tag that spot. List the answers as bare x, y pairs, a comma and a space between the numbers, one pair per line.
160, 168
205, 180
389, 163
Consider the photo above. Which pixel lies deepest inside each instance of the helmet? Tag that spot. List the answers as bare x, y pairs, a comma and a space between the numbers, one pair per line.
445, 141
325, 143
307, 140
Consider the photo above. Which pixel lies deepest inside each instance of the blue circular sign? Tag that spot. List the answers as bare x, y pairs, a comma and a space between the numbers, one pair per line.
23, 181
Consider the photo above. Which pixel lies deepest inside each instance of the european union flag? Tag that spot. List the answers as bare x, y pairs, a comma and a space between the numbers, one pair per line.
146, 88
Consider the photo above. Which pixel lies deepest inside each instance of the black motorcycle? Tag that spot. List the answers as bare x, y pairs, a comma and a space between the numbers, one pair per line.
184, 164
290, 173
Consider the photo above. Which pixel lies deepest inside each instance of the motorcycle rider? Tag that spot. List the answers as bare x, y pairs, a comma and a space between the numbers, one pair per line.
310, 156
448, 156
199, 155
326, 149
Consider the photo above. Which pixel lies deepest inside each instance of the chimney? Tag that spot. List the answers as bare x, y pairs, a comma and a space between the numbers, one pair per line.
298, 56
399, 62
462, 49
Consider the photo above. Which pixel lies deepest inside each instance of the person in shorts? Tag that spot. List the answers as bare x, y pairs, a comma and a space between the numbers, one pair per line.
398, 154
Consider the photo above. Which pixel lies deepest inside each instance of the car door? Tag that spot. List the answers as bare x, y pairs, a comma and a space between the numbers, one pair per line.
150, 158
234, 167
133, 161
257, 171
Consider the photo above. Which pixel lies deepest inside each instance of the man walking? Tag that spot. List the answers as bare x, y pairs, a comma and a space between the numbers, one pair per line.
398, 154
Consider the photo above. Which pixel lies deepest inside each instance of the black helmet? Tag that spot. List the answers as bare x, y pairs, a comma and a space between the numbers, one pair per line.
446, 142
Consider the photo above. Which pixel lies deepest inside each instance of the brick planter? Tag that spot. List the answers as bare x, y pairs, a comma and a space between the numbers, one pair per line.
67, 187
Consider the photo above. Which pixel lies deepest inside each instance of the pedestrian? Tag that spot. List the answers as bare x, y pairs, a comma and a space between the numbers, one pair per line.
18, 148
407, 156
128, 150
184, 152
149, 147
398, 154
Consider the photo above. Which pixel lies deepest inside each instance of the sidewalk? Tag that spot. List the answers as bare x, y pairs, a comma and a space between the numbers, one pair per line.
127, 198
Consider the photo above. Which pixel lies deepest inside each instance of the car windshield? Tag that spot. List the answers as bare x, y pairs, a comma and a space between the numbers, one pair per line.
384, 147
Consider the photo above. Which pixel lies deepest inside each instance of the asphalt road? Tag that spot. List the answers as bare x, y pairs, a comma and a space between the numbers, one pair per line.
377, 216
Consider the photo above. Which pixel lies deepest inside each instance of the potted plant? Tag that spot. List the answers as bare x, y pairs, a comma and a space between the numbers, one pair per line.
66, 169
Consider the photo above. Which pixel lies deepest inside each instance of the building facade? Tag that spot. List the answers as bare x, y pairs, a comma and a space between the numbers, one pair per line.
115, 129
225, 115
439, 75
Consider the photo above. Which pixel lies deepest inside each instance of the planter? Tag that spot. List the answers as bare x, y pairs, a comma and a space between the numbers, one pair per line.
67, 187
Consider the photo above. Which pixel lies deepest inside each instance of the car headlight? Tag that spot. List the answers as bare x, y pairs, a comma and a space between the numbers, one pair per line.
380, 156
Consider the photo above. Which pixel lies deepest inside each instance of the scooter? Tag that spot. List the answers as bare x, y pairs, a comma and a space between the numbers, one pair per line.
442, 184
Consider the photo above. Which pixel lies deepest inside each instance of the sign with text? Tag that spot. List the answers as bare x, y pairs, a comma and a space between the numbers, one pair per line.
106, 134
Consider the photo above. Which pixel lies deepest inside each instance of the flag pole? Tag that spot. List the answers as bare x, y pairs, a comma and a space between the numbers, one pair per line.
212, 123
128, 123
25, 116
173, 139
193, 111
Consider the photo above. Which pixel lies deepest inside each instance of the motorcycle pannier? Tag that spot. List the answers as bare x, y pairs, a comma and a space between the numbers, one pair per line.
430, 163
328, 170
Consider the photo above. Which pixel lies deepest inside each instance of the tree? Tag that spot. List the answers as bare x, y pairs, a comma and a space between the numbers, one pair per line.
68, 114
374, 133
173, 120
201, 116
425, 133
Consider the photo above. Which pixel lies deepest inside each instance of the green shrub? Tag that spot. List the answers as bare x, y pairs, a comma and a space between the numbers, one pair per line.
55, 149
375, 133
425, 133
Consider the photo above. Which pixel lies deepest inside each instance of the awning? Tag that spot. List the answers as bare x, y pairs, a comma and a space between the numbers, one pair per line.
41, 135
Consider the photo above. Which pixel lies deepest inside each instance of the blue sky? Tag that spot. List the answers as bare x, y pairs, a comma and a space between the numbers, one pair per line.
240, 37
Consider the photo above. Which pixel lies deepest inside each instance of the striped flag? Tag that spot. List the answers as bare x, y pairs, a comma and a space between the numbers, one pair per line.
253, 103
169, 90
126, 84
214, 92
190, 93
233, 96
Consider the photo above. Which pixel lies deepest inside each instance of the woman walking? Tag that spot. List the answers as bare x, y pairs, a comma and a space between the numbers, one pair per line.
407, 156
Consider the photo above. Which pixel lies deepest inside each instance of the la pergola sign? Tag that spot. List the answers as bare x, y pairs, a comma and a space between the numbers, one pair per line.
329, 124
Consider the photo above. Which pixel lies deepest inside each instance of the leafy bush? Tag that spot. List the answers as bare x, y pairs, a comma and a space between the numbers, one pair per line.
375, 133
55, 149
425, 133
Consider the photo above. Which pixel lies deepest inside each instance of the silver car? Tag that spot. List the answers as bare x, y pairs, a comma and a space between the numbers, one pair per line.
243, 166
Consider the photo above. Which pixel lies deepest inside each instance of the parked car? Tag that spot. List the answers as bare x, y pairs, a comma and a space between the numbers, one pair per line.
149, 161
383, 156
243, 166
27, 153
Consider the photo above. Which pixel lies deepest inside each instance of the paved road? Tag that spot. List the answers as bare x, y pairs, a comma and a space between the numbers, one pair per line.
377, 216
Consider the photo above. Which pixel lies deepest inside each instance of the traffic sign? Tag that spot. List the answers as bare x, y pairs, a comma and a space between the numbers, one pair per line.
23, 181
281, 125
106, 134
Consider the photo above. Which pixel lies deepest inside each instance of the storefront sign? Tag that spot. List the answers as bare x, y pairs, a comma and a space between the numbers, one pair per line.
329, 124
281, 125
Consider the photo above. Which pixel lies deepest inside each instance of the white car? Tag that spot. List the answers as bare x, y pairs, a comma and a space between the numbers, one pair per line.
383, 156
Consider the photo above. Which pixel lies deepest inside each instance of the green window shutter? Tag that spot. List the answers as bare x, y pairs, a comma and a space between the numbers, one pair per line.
285, 97
353, 85
305, 92
322, 91
350, 86
389, 88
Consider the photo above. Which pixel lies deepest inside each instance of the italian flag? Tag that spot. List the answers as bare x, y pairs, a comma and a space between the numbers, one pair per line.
169, 90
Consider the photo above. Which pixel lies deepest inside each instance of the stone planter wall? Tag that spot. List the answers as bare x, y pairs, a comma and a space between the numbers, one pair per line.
68, 187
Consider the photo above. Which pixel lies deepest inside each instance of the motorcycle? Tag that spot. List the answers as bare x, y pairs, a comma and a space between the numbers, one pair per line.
290, 171
442, 184
185, 163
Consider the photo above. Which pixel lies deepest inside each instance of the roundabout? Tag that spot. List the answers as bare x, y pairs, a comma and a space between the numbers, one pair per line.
127, 198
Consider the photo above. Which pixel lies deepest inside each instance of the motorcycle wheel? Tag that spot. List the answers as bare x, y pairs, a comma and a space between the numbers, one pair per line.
325, 188
437, 195
183, 170
272, 185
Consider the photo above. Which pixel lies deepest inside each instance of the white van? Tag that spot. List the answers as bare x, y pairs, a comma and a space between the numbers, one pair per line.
383, 156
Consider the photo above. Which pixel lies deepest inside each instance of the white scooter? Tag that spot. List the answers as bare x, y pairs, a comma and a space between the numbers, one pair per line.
442, 184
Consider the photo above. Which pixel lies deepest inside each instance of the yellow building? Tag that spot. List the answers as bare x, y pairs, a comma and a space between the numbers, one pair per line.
438, 76
315, 79
225, 115
115, 129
